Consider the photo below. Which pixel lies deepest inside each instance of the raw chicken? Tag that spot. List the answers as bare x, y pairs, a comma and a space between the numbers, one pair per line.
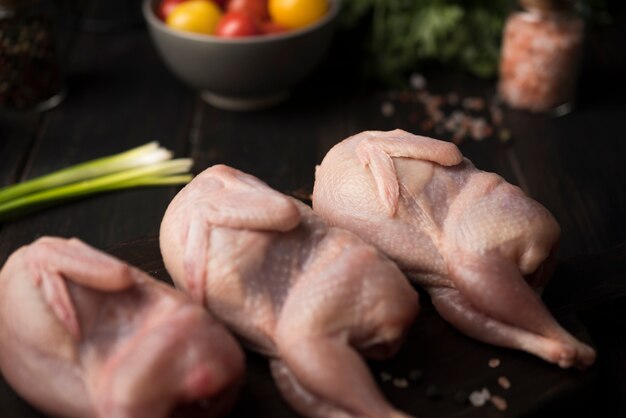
308, 296
476, 243
85, 335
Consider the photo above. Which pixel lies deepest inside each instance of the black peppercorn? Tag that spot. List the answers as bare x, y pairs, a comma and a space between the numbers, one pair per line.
30, 77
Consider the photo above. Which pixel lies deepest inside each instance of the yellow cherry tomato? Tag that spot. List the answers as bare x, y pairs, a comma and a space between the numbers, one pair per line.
295, 14
198, 16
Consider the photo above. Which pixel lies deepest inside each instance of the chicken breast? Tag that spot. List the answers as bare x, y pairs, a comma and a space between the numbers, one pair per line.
475, 242
308, 296
85, 335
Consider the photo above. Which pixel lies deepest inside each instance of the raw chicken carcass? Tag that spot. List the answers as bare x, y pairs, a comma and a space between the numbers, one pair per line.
475, 242
85, 335
308, 296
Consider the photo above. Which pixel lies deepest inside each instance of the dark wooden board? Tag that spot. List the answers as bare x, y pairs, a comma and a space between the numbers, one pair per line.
119, 97
17, 134
448, 360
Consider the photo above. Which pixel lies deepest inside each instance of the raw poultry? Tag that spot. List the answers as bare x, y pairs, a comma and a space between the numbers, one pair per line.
310, 297
476, 243
85, 335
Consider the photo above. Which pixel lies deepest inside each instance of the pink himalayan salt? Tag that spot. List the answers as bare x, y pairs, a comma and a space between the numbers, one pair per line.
540, 60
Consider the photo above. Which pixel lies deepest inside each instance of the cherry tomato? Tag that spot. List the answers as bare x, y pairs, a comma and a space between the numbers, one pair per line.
269, 28
257, 9
236, 24
166, 7
198, 16
295, 14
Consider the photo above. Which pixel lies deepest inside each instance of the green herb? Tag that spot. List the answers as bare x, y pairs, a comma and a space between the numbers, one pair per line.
148, 165
404, 35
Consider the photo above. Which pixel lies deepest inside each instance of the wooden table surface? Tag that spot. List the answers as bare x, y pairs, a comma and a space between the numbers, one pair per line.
120, 95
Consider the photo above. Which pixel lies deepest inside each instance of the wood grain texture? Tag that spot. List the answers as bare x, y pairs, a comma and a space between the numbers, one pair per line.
18, 133
121, 95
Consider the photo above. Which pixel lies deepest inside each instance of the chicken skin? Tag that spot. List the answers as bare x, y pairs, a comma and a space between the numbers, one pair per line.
476, 243
308, 296
85, 335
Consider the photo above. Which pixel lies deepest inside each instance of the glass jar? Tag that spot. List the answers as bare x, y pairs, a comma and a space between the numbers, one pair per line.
541, 52
30, 75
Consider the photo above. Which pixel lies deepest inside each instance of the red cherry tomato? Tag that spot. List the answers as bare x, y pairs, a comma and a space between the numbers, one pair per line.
166, 7
236, 24
269, 28
257, 9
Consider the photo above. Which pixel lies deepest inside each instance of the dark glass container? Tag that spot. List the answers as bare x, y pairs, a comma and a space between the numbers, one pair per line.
30, 74
542, 48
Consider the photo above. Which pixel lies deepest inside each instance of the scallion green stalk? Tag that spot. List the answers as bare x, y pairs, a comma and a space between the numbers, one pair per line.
148, 165
146, 154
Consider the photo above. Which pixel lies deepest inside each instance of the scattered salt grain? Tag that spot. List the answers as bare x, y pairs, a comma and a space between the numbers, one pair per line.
436, 101
448, 115
480, 129
494, 362
423, 97
387, 109
453, 99
499, 403
385, 377
505, 135
400, 383
427, 125
437, 115
479, 398
458, 136
417, 81
504, 382
473, 103
457, 116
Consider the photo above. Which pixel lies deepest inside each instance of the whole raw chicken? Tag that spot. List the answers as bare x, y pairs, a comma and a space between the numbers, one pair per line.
474, 241
308, 296
85, 335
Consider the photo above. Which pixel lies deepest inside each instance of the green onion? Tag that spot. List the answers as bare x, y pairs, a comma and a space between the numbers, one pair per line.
148, 165
145, 154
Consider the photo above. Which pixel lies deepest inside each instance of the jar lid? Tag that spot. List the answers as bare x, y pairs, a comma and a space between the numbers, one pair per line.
548, 5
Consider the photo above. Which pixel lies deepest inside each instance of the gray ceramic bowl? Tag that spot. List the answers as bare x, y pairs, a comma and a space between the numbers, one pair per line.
244, 73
